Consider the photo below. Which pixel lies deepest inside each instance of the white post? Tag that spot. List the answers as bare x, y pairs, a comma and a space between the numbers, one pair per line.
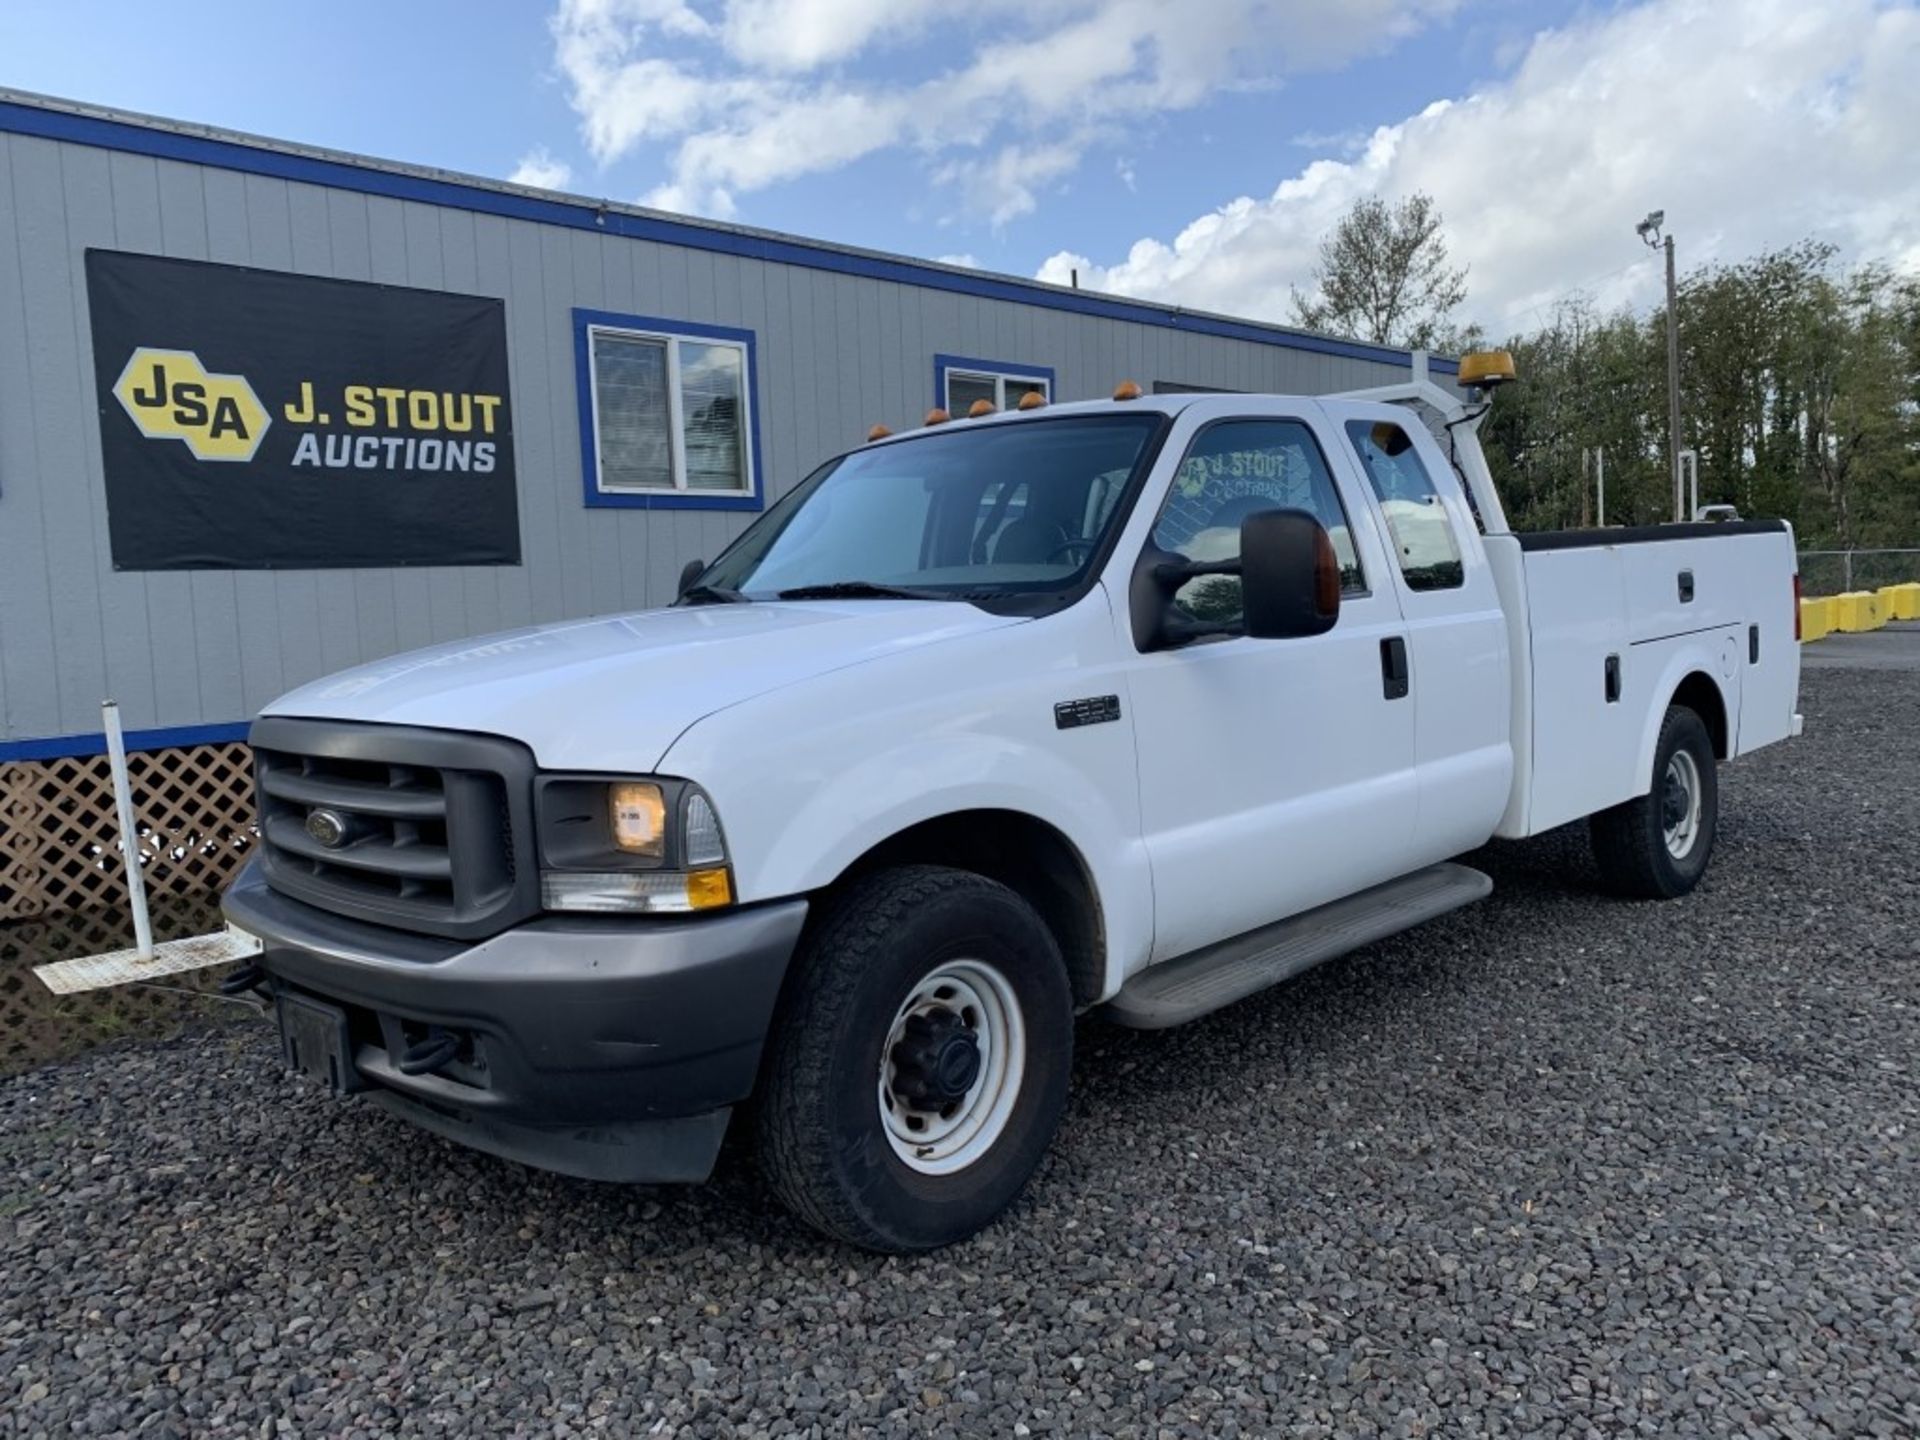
1600, 485
129, 830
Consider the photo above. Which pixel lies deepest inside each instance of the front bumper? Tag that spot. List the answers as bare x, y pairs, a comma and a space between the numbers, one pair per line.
607, 1047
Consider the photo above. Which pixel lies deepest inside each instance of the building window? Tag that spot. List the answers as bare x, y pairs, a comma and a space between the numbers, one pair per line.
958, 383
666, 413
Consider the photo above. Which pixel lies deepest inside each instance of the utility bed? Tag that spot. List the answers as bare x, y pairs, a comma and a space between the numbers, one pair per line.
1600, 619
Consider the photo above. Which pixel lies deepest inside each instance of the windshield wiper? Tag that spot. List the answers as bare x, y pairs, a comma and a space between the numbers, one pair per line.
712, 595
858, 590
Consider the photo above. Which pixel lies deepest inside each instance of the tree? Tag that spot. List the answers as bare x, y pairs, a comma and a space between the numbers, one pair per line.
1802, 397
1859, 434
1383, 276
1590, 382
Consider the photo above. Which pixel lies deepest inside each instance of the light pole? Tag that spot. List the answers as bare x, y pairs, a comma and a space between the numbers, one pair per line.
1649, 231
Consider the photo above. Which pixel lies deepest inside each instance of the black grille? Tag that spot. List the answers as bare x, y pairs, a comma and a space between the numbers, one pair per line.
420, 829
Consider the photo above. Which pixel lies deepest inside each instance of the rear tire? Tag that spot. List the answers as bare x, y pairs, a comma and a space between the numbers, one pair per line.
918, 1067
1657, 846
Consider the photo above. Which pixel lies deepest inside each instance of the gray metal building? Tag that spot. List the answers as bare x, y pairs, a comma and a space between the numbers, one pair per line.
823, 339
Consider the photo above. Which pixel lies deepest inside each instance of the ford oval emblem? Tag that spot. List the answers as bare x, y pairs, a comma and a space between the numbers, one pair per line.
328, 827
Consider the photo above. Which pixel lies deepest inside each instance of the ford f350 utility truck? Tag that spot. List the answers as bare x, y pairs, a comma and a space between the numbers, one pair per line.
1142, 704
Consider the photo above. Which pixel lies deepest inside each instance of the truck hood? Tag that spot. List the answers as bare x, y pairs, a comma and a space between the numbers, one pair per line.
613, 693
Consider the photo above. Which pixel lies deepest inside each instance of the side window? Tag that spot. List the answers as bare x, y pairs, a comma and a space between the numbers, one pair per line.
1423, 539
1233, 469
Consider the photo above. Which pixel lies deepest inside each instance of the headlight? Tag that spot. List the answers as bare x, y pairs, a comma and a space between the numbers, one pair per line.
611, 844
637, 812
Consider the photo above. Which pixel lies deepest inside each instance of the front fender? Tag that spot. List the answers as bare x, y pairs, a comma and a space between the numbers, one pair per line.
809, 779
892, 791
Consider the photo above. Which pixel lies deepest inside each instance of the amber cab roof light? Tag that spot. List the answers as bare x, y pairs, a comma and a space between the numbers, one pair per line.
1486, 369
1126, 390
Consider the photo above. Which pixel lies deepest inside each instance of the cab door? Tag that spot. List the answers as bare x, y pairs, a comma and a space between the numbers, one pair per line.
1275, 775
1458, 667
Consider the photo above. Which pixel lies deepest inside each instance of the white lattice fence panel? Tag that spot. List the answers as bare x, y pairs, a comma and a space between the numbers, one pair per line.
59, 837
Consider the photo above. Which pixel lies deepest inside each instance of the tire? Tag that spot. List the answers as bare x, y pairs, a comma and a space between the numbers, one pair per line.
893, 966
1657, 847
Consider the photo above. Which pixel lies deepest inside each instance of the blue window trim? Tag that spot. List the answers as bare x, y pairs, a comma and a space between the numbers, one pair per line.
583, 322
60, 747
341, 174
943, 363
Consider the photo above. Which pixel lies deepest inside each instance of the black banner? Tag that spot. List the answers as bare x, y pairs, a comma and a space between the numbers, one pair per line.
254, 420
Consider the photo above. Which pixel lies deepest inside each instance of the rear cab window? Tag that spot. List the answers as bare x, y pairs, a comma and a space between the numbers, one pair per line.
1424, 544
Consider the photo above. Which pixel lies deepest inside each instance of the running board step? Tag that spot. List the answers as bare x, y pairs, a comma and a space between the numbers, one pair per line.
1179, 990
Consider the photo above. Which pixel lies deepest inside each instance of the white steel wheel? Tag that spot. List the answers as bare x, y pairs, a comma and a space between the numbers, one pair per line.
1680, 804
921, 1064
951, 1068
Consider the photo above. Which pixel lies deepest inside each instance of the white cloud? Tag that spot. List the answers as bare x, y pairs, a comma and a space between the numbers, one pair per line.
713, 203
1002, 186
803, 34
967, 261
769, 92
541, 170
1752, 122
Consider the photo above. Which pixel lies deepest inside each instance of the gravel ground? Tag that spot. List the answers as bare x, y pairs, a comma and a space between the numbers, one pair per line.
1554, 1165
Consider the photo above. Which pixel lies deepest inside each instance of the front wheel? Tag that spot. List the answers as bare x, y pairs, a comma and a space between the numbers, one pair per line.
1657, 847
918, 1067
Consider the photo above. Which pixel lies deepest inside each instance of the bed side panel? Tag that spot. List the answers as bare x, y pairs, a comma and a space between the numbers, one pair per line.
1585, 747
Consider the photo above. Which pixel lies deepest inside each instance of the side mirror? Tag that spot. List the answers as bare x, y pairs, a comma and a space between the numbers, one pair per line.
693, 570
1289, 585
1289, 575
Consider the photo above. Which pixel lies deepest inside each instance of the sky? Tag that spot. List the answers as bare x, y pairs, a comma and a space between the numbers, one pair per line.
1188, 151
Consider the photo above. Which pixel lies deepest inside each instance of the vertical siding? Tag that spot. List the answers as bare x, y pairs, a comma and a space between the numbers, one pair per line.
834, 354
51, 359
28, 702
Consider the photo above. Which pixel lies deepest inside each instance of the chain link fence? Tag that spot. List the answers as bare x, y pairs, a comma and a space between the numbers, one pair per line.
1835, 572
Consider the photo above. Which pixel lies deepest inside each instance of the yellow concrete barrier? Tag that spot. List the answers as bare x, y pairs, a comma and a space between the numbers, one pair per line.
1816, 618
1857, 611
1901, 602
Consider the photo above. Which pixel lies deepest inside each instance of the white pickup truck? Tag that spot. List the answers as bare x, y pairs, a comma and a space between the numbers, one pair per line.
1142, 704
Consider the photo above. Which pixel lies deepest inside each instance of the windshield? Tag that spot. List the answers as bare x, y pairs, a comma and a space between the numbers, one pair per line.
973, 512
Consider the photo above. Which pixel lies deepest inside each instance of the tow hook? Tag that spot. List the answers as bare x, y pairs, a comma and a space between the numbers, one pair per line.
243, 978
426, 1056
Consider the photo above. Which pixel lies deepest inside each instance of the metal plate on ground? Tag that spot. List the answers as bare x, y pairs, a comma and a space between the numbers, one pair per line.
314, 1037
124, 967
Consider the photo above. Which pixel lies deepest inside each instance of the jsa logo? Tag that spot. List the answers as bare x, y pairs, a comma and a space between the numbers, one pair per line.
171, 396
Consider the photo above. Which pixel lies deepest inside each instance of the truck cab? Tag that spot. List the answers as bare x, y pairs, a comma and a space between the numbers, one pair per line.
1137, 705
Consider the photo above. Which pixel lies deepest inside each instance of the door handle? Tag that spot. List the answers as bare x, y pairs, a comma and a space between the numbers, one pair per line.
1393, 668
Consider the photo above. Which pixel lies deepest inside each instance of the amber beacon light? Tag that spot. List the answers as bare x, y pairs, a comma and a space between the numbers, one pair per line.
1486, 369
